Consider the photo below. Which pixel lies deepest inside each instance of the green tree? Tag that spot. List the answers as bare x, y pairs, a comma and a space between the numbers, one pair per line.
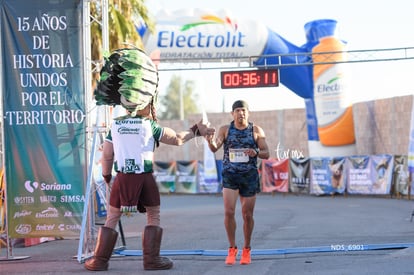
179, 100
123, 15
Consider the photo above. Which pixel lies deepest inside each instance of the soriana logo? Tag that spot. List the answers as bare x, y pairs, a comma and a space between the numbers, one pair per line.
199, 33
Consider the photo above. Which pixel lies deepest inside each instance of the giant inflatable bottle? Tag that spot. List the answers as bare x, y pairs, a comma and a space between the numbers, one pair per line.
330, 93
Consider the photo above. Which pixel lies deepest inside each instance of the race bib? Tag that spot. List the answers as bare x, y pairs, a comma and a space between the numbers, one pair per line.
130, 167
238, 155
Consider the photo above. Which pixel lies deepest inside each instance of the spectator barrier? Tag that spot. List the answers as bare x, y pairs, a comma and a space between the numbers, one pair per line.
361, 175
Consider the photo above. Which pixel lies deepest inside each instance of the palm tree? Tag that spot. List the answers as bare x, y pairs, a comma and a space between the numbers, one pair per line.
123, 15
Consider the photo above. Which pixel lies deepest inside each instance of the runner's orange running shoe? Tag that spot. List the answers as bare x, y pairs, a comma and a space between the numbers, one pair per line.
245, 258
231, 256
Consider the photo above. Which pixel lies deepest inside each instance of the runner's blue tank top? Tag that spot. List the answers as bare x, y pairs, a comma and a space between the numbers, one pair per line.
234, 159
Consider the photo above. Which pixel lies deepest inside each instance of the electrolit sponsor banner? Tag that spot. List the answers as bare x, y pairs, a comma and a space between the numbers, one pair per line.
44, 116
204, 34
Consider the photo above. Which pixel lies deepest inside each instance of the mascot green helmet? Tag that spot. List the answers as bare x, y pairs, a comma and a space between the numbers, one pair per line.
128, 78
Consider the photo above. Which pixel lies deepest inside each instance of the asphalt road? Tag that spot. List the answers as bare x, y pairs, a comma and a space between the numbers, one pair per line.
294, 234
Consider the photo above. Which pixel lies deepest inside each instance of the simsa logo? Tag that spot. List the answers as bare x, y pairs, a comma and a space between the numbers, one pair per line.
32, 186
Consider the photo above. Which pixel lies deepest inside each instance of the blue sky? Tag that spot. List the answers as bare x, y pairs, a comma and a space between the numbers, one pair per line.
363, 24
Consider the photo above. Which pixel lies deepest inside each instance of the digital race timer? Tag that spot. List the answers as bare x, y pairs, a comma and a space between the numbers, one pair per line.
250, 78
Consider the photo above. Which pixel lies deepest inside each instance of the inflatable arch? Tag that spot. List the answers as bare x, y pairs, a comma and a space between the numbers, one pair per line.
203, 34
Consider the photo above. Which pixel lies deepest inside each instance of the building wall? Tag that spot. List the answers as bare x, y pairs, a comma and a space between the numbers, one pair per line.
381, 127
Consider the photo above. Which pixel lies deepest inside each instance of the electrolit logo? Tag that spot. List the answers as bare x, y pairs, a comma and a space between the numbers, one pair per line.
333, 85
331, 100
211, 19
197, 39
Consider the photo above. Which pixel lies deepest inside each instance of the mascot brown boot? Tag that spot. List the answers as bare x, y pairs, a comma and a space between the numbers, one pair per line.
104, 246
151, 243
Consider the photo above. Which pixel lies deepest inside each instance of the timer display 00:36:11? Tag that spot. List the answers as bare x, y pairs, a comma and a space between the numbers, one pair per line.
250, 78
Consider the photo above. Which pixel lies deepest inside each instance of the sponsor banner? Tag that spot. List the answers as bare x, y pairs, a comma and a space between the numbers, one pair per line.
299, 170
207, 183
400, 178
2, 212
165, 176
370, 174
100, 199
208, 178
204, 34
219, 165
187, 177
328, 176
102, 191
411, 142
44, 116
410, 157
275, 175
